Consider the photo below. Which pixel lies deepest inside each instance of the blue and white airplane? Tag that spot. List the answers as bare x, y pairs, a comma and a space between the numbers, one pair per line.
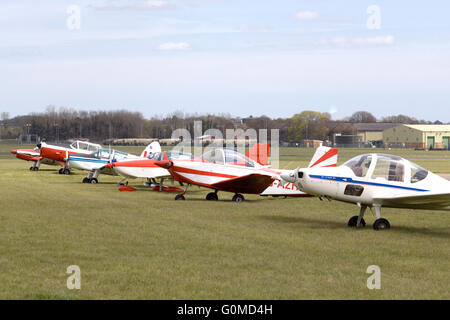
96, 161
375, 180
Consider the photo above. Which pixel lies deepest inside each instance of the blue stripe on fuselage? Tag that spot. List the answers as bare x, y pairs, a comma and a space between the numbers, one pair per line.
350, 180
88, 160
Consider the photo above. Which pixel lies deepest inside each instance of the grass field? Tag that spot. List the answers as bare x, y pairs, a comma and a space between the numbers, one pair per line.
145, 245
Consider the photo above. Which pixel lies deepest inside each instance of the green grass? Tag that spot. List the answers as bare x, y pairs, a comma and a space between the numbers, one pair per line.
145, 245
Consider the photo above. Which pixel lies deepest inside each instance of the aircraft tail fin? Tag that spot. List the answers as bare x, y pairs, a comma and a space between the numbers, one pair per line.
153, 147
324, 157
259, 152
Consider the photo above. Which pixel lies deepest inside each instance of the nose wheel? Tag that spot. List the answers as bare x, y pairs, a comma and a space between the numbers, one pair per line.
180, 197
354, 221
238, 198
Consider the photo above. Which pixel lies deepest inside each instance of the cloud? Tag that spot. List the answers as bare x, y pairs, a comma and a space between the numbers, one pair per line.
307, 15
360, 42
174, 46
136, 5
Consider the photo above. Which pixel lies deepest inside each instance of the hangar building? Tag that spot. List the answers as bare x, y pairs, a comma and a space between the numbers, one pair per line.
421, 136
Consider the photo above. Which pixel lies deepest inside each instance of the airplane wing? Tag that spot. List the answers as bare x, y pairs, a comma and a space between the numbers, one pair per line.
436, 201
25, 154
253, 183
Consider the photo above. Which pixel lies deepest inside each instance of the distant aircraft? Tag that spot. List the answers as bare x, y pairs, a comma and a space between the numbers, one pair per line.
96, 161
54, 155
227, 170
375, 180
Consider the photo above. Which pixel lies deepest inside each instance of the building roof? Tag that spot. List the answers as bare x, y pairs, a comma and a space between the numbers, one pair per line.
429, 127
376, 126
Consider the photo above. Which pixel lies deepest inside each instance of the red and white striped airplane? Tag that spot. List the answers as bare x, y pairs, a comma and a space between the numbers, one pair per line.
228, 170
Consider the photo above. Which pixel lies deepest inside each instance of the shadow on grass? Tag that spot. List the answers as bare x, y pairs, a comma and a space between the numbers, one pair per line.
321, 224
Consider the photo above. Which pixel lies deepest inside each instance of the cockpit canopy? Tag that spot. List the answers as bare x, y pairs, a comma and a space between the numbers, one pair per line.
171, 155
386, 167
84, 145
108, 153
227, 156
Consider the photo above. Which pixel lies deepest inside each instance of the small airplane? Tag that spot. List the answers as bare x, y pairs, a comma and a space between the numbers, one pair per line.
146, 168
131, 169
96, 161
48, 154
375, 180
228, 170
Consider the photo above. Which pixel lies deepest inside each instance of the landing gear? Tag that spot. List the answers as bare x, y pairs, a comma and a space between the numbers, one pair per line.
358, 221
61, 171
212, 196
92, 177
64, 171
379, 224
354, 220
238, 198
179, 197
34, 168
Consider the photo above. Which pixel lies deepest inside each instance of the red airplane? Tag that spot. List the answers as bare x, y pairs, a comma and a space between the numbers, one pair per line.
228, 170
54, 155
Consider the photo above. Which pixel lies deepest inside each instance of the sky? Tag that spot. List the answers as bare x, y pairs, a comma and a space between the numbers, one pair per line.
247, 57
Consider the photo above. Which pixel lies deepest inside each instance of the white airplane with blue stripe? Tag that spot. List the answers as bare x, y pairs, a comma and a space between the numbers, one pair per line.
95, 162
375, 180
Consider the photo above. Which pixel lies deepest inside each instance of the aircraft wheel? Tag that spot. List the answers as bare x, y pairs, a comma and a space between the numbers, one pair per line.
94, 181
86, 180
66, 171
238, 198
381, 224
179, 197
61, 171
31, 168
354, 220
212, 196
35, 168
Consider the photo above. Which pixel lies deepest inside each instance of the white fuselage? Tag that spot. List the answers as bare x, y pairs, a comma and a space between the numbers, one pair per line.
342, 184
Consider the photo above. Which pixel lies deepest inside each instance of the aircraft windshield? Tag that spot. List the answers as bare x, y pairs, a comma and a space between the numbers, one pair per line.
106, 154
236, 158
83, 145
360, 164
178, 155
417, 173
215, 156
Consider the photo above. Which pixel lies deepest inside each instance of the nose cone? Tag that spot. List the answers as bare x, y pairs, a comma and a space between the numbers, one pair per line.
13, 151
288, 177
110, 165
166, 164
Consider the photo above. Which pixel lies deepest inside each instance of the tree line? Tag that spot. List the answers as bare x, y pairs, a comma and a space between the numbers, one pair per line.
66, 123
